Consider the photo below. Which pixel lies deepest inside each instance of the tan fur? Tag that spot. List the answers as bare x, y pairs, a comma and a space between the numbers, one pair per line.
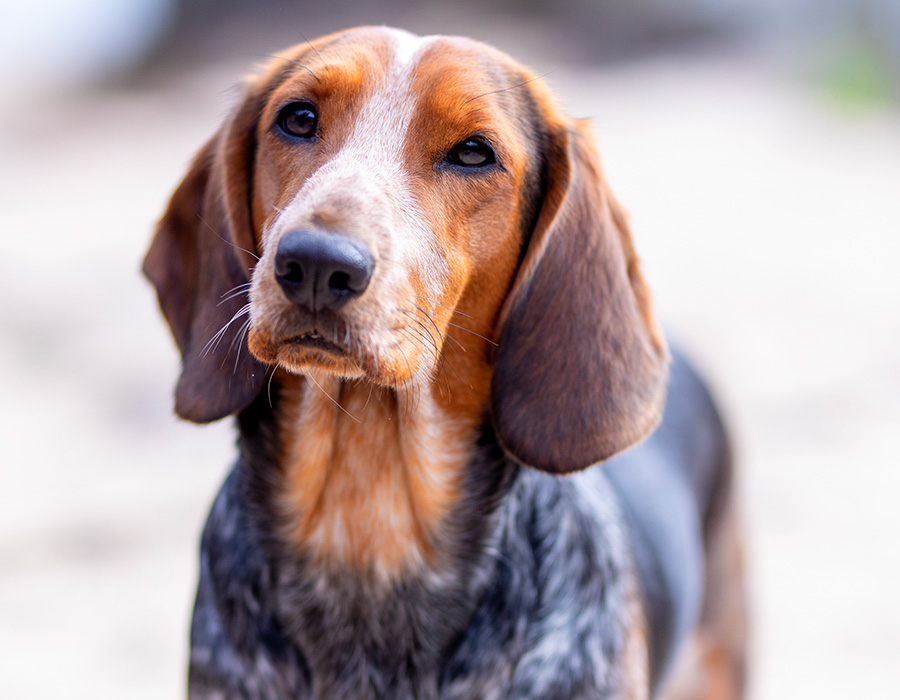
369, 476
635, 671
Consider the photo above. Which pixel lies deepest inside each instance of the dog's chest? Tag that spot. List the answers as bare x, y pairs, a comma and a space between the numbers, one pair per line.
541, 612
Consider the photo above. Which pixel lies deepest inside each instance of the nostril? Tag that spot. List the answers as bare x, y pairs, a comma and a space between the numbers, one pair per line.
293, 273
339, 282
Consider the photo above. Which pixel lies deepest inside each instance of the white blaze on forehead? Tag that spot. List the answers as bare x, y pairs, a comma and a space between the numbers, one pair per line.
407, 46
370, 167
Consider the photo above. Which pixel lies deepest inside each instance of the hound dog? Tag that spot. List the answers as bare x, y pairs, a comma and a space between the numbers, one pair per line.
400, 266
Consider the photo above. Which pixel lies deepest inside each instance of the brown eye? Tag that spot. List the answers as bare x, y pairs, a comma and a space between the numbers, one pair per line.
298, 119
471, 153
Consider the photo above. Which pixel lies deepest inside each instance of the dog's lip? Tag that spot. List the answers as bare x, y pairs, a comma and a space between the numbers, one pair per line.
316, 341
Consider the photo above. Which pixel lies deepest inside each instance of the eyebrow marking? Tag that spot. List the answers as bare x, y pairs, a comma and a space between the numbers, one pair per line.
511, 87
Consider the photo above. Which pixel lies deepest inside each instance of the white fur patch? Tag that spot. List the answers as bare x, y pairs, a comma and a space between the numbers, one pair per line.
370, 170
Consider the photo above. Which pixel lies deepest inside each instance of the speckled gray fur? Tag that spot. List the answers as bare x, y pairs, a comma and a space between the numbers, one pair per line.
537, 618
530, 602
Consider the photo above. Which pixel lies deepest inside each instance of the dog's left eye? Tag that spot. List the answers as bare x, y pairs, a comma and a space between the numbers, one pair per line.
471, 153
298, 119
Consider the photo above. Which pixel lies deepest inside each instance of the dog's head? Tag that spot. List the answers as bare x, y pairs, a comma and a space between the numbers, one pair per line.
378, 200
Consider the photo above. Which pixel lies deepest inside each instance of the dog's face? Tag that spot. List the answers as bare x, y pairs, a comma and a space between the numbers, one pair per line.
378, 200
406, 155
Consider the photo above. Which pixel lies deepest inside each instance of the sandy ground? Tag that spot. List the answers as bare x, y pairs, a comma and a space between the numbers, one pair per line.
769, 228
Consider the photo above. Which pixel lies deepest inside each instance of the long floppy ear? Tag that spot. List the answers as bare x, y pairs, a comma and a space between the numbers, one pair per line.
580, 368
199, 261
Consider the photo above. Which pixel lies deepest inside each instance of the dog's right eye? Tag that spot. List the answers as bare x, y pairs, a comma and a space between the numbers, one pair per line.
298, 119
471, 153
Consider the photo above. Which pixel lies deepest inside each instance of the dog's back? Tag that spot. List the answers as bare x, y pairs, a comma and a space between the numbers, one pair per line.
676, 489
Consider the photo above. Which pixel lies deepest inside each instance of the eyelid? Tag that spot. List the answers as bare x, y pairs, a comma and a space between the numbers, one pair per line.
298, 101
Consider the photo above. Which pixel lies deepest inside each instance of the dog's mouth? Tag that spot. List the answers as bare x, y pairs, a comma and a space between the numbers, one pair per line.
389, 359
303, 347
314, 340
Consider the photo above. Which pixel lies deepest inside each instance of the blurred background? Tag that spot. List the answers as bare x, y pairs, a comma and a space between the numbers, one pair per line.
757, 146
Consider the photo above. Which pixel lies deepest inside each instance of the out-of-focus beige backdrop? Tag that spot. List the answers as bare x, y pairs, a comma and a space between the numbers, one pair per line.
757, 146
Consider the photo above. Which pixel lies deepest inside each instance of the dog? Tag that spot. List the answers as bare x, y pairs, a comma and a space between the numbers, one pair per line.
400, 266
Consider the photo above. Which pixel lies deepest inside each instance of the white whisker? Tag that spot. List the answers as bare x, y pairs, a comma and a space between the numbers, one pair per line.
217, 338
332, 399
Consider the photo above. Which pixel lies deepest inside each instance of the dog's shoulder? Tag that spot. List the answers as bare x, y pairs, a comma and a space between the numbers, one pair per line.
236, 639
667, 487
552, 623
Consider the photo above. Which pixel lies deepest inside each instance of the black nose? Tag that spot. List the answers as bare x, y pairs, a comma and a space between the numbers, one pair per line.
322, 271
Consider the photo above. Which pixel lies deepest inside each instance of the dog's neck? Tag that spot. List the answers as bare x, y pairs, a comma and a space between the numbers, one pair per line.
370, 476
374, 521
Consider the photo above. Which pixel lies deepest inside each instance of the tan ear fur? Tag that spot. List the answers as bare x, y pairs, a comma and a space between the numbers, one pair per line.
197, 266
580, 369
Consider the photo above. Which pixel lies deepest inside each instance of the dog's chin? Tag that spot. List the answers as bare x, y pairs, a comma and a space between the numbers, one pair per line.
313, 352
317, 360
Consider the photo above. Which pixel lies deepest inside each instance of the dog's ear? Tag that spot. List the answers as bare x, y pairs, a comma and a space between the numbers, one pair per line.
199, 262
580, 368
